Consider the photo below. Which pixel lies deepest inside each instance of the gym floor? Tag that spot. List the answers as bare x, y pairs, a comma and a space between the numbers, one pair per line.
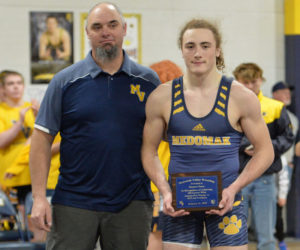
292, 244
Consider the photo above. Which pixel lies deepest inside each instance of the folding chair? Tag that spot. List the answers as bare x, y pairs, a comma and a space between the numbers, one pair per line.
7, 210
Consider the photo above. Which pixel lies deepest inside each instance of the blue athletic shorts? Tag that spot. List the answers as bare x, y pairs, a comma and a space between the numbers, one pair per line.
227, 230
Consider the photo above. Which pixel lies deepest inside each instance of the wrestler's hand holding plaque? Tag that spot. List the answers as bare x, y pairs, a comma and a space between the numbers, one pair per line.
196, 191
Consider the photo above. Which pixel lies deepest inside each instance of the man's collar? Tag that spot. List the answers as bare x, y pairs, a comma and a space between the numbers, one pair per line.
127, 64
92, 66
95, 70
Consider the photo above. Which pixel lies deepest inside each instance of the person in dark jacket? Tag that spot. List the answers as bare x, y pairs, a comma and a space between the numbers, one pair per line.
261, 193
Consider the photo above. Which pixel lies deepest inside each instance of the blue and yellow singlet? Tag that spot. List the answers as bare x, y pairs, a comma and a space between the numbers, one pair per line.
203, 144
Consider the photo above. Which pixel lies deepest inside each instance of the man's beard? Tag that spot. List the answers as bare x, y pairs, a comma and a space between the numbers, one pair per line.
106, 54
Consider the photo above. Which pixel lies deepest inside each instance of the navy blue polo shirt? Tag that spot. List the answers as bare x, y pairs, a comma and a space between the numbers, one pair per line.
101, 119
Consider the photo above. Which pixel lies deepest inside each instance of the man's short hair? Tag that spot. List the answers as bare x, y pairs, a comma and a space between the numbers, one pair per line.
5, 73
248, 71
109, 3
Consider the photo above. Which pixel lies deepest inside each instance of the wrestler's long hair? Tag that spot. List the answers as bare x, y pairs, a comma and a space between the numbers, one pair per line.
204, 24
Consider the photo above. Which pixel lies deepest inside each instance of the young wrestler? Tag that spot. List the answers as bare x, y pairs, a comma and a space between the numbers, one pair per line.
204, 115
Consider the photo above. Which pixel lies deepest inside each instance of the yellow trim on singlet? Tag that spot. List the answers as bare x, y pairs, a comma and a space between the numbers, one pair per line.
224, 88
177, 102
177, 93
221, 104
178, 110
220, 112
223, 96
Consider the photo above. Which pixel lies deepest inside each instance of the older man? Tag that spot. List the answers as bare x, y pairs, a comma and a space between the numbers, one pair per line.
98, 105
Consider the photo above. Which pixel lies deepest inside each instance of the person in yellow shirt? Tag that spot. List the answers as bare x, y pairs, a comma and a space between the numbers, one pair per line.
14, 175
166, 71
20, 168
54, 166
16, 125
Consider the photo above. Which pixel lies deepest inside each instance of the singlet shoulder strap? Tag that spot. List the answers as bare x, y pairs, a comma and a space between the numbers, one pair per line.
223, 96
177, 102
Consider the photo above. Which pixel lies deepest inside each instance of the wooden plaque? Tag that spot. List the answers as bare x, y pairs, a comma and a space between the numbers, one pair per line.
197, 191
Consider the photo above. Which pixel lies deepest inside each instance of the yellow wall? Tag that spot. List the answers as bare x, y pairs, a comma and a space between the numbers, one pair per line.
292, 17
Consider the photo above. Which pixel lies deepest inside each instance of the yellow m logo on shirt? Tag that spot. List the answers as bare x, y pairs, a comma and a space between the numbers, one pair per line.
135, 89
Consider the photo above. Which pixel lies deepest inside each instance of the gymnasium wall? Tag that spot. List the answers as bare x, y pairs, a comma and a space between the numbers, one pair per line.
253, 31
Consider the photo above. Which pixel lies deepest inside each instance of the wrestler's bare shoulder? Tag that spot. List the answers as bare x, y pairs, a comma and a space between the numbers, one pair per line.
240, 93
162, 93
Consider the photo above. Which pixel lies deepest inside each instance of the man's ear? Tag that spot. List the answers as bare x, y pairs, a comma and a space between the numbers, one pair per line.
125, 28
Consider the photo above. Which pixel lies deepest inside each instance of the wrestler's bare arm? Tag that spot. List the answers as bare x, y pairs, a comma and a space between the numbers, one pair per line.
158, 108
153, 133
245, 115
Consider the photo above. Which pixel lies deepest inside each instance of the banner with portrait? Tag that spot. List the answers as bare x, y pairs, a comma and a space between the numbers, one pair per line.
51, 35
